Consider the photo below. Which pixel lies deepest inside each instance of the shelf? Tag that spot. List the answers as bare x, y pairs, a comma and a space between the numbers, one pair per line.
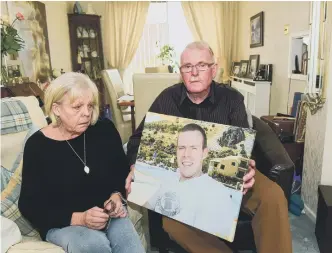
86, 38
299, 77
89, 58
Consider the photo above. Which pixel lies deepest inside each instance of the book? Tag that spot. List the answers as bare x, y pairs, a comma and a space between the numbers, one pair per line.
192, 171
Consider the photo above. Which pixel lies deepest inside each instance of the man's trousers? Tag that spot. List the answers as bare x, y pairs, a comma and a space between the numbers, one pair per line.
270, 223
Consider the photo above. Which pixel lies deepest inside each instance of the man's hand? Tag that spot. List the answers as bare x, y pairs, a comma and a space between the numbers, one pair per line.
249, 179
129, 179
113, 206
95, 218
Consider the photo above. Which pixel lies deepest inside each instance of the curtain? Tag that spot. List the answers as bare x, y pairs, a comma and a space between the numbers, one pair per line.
124, 23
216, 23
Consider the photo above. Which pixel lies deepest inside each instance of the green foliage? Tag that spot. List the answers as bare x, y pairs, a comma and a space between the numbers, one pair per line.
167, 55
11, 42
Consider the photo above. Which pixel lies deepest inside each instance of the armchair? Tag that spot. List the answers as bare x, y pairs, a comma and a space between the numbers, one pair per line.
272, 160
114, 87
154, 83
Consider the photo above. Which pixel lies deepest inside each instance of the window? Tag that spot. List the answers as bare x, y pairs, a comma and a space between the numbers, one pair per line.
166, 24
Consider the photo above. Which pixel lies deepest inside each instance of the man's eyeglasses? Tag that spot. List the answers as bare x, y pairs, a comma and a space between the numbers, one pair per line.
201, 66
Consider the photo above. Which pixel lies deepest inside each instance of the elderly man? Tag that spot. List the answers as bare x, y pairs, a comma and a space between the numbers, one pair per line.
199, 97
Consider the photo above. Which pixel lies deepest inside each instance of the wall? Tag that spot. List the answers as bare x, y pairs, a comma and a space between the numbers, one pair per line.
58, 35
276, 44
317, 167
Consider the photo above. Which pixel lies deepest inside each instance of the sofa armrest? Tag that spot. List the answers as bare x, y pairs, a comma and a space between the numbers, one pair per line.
271, 157
282, 174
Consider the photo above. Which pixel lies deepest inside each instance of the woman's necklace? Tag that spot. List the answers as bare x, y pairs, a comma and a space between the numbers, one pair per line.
86, 168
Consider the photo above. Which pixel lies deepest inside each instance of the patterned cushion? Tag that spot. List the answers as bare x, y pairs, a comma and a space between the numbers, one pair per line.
14, 116
9, 204
5, 177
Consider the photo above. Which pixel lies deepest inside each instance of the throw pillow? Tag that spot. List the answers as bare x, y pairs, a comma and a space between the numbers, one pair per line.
9, 204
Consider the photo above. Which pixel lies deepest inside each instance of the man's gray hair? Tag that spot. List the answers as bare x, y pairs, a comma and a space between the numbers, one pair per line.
202, 45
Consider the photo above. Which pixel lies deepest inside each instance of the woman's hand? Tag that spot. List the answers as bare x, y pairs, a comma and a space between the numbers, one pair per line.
94, 218
249, 179
129, 179
113, 206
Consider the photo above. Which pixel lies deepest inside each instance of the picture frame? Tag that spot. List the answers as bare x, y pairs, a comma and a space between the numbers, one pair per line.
253, 66
244, 67
220, 156
235, 70
257, 30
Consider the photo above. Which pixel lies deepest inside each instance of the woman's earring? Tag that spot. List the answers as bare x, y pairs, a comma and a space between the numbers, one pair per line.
58, 120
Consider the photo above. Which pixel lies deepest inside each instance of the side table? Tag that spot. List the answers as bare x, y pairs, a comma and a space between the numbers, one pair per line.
323, 229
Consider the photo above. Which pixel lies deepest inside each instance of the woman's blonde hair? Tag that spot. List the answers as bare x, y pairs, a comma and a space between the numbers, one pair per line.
73, 84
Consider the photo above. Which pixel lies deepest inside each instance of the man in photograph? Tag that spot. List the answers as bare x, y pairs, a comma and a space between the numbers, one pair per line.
183, 196
199, 97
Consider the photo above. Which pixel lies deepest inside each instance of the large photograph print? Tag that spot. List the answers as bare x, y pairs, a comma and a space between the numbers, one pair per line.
192, 171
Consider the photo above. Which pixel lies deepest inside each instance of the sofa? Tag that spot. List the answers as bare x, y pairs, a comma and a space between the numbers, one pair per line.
20, 118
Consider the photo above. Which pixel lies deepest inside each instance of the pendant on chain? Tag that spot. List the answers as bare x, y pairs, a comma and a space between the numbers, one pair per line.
86, 169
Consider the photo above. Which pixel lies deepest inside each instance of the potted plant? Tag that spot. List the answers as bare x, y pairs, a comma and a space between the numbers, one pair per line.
11, 42
167, 55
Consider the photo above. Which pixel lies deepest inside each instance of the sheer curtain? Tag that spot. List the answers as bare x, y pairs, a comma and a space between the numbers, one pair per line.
215, 23
165, 24
124, 23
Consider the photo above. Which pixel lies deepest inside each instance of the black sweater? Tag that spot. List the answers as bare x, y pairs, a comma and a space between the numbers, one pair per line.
54, 184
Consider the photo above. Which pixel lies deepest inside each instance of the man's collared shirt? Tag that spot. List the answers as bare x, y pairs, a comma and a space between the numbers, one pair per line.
223, 105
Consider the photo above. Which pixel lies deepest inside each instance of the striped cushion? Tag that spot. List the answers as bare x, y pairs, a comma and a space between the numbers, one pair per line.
14, 116
9, 204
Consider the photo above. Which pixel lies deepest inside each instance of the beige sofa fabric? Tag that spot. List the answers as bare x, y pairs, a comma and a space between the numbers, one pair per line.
159, 69
147, 87
10, 234
35, 247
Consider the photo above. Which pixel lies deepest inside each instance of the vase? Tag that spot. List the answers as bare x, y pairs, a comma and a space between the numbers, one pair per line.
4, 71
77, 8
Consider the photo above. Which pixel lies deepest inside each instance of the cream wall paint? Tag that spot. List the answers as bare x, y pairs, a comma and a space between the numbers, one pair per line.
318, 140
276, 44
58, 35
326, 177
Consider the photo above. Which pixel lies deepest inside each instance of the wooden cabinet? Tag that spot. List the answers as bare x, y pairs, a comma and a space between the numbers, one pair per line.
256, 94
86, 47
86, 44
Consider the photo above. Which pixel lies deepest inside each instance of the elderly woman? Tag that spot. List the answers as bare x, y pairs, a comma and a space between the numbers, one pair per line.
74, 172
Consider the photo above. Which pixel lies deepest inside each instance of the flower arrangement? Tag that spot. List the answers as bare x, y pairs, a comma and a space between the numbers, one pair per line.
11, 42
